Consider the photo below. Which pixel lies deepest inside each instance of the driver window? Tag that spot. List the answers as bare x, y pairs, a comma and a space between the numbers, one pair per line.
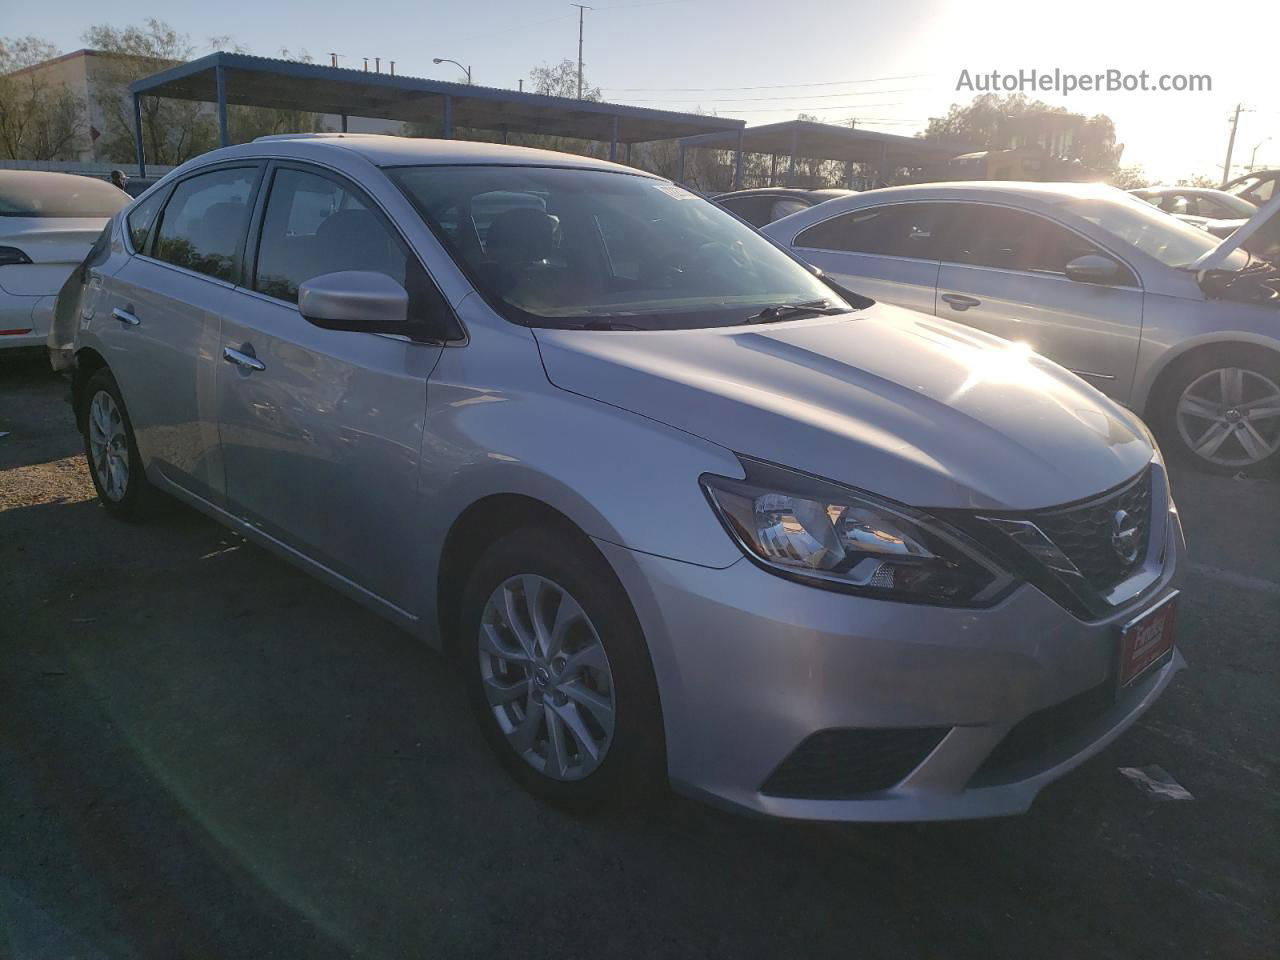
314, 225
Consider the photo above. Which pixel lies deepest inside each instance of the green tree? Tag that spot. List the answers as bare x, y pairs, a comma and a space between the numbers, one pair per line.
39, 120
1129, 178
981, 122
172, 130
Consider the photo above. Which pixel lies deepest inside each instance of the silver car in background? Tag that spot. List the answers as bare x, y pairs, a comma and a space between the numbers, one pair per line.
680, 508
48, 222
1165, 318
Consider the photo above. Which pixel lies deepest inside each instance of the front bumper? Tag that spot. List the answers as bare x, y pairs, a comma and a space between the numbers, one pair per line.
749, 665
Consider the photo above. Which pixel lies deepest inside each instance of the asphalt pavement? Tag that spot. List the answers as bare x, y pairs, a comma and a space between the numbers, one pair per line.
206, 754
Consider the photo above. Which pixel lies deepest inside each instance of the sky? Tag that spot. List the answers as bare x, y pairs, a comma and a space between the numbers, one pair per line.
889, 65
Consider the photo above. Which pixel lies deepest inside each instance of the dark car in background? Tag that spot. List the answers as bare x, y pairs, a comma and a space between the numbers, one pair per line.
1257, 186
763, 205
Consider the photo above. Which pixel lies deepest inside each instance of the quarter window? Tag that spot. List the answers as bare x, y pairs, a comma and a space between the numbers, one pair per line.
896, 230
988, 236
204, 222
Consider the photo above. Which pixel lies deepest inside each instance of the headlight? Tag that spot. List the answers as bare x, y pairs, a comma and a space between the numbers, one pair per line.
833, 536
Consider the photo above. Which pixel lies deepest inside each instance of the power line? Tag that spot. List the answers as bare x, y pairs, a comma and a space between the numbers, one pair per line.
520, 26
775, 86
793, 96
800, 107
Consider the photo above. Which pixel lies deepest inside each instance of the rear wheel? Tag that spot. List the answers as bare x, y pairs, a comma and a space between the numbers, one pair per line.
1222, 412
110, 449
559, 673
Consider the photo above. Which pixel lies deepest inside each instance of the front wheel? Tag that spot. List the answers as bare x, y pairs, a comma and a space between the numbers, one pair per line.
1222, 412
559, 673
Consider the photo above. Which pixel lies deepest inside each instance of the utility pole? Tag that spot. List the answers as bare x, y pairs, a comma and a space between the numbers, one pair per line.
1231, 145
582, 8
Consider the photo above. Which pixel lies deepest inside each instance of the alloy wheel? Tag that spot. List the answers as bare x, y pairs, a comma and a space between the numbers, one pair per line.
546, 677
109, 446
1230, 417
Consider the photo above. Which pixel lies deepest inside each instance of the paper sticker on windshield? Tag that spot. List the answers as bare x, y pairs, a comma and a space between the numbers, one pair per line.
680, 193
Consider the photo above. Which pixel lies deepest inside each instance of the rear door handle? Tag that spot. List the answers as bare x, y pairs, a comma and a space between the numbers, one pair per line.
959, 301
242, 359
125, 317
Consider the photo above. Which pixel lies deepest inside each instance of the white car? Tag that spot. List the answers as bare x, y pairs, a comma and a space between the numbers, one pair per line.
48, 222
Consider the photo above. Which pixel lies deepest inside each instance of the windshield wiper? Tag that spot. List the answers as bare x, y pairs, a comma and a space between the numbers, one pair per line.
793, 311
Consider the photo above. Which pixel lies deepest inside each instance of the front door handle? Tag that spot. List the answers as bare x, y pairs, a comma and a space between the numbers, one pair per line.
242, 359
125, 317
959, 301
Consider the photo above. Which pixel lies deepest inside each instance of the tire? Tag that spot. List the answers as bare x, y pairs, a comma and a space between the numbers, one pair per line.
118, 478
598, 658
1220, 411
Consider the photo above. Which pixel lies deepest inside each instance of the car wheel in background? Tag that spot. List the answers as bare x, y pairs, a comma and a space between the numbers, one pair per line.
559, 673
1221, 411
110, 449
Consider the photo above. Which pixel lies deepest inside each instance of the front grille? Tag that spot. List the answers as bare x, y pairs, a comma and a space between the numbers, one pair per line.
1039, 733
1084, 532
837, 764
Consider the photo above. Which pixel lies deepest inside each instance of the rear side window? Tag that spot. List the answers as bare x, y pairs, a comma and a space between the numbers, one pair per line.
314, 225
754, 208
140, 219
897, 230
988, 236
204, 222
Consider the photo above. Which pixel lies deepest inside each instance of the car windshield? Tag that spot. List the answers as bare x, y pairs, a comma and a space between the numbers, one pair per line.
58, 195
1154, 232
574, 248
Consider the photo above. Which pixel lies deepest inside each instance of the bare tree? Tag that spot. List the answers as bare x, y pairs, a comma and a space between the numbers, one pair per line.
561, 80
172, 130
39, 120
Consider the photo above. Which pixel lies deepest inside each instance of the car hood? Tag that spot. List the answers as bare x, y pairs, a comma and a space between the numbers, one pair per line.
908, 406
1259, 236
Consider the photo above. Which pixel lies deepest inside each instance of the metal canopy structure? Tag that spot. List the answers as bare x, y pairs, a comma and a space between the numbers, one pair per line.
234, 78
824, 141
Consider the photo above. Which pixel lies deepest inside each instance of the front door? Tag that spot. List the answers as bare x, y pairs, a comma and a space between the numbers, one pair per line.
1003, 271
322, 429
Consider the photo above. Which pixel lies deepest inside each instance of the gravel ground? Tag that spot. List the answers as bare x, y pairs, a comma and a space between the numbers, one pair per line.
205, 754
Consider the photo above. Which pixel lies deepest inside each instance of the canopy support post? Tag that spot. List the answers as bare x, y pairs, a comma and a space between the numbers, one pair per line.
220, 78
137, 136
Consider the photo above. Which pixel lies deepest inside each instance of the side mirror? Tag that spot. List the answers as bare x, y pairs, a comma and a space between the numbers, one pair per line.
361, 300
1093, 268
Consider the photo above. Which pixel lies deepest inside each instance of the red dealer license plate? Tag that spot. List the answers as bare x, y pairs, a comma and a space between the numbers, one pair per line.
1146, 641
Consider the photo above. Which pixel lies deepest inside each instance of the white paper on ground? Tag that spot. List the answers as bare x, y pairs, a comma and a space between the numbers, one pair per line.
1156, 782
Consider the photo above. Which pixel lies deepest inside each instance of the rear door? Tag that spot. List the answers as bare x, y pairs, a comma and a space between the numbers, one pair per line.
886, 252
1003, 271
322, 429
161, 316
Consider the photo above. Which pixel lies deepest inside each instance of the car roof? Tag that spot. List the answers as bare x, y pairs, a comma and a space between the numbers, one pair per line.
1177, 189
1007, 188
384, 150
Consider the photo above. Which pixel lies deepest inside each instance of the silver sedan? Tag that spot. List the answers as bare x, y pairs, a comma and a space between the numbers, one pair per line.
1174, 323
679, 507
